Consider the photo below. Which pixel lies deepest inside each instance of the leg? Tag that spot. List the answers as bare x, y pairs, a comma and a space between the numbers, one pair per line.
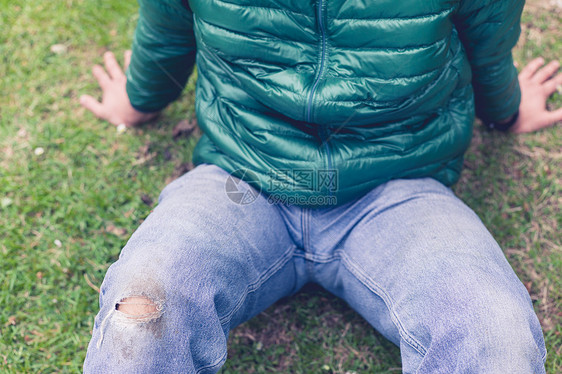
420, 266
199, 265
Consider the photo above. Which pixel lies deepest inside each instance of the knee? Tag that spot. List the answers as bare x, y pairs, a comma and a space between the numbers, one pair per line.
507, 311
138, 307
140, 296
503, 328
486, 333
507, 322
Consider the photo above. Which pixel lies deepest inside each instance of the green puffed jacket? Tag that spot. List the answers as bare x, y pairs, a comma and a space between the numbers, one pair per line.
330, 97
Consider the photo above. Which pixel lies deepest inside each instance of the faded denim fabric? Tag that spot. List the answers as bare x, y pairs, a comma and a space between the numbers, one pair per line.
409, 256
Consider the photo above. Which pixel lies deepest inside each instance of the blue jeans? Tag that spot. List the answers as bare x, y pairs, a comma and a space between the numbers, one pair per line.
409, 256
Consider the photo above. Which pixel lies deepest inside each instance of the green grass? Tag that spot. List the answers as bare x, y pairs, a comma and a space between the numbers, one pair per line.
65, 214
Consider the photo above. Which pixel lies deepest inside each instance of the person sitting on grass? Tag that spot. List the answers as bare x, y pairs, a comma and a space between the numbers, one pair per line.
332, 132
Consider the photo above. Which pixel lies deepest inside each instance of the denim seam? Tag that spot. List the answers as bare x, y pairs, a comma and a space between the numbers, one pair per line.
219, 362
321, 259
308, 219
379, 291
304, 230
257, 284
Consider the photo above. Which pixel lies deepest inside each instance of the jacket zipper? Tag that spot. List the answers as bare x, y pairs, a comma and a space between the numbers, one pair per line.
323, 56
323, 129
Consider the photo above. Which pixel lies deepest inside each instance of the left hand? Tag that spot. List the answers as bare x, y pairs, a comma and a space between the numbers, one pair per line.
537, 85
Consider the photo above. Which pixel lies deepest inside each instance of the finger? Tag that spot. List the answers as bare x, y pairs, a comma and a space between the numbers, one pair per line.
531, 68
101, 76
554, 116
546, 72
93, 106
552, 85
112, 66
128, 55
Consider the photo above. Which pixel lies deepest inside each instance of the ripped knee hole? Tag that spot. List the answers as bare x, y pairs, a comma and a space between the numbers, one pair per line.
139, 307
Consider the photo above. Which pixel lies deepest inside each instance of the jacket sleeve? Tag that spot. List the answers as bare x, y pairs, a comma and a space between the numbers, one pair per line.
489, 29
163, 54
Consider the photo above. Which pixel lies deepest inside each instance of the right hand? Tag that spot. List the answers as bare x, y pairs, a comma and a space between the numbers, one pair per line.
115, 106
